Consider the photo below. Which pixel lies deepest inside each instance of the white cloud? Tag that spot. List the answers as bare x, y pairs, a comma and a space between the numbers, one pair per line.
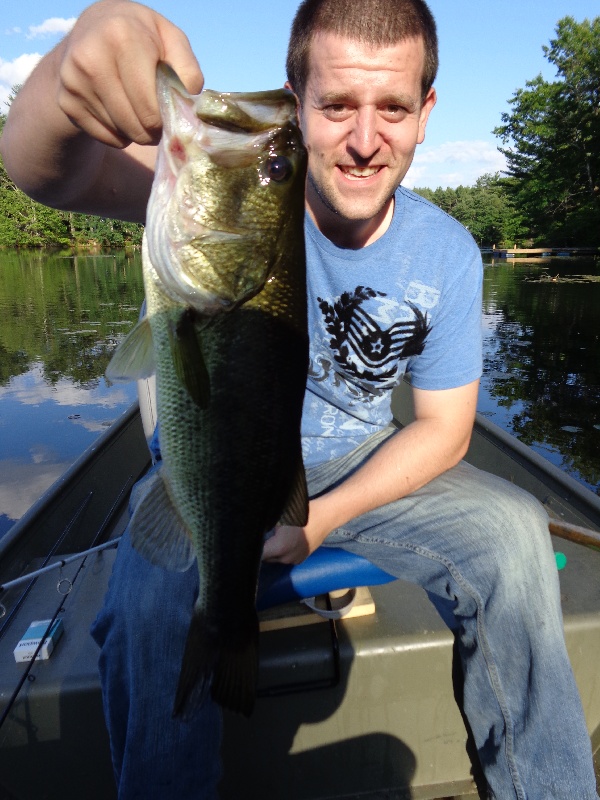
18, 70
31, 389
453, 164
14, 72
51, 27
21, 485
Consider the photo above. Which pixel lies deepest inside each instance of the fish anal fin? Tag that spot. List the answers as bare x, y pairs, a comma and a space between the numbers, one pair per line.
296, 507
134, 357
156, 529
188, 359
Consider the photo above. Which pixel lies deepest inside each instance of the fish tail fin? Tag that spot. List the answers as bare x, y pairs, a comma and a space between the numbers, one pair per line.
229, 669
199, 657
236, 671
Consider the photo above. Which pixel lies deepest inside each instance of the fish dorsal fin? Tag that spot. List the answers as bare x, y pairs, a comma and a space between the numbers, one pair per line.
188, 359
156, 529
296, 507
134, 357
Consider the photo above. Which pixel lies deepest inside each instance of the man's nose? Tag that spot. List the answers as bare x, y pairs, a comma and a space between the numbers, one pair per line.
364, 138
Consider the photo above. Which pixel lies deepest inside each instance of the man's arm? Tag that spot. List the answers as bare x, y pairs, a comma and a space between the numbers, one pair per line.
80, 133
434, 442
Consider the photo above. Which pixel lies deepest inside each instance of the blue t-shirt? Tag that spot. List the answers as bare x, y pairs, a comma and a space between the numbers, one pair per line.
409, 302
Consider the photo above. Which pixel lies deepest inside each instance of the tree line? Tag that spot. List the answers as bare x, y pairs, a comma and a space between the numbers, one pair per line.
549, 195
25, 224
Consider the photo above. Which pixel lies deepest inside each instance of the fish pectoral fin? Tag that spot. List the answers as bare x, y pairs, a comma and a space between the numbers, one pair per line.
134, 357
188, 359
156, 529
296, 507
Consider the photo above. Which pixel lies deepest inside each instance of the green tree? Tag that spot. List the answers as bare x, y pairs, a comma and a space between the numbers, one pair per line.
486, 209
551, 140
27, 224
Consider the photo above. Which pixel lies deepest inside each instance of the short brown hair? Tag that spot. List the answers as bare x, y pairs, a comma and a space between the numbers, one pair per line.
375, 22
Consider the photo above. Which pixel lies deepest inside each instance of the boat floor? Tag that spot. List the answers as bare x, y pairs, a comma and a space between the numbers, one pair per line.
365, 709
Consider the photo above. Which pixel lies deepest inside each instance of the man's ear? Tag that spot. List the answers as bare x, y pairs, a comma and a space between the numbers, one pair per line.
288, 85
428, 104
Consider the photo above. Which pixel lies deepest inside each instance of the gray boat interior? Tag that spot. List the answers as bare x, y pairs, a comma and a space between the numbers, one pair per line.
364, 707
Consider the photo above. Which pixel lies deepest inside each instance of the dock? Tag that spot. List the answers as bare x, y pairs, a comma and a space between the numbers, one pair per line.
541, 252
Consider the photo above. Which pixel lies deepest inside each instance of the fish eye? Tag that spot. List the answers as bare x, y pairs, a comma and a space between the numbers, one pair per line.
277, 168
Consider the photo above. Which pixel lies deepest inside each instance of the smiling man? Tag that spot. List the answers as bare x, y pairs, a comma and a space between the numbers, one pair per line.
394, 287
362, 114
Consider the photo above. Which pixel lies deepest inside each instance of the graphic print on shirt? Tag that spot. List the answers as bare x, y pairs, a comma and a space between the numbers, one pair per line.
369, 334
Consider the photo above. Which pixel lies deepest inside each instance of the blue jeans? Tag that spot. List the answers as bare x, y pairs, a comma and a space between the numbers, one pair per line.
481, 549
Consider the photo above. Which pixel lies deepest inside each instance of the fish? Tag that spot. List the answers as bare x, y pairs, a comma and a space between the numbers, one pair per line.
225, 332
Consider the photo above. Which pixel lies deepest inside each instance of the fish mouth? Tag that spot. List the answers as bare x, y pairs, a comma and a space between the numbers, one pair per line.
206, 252
199, 233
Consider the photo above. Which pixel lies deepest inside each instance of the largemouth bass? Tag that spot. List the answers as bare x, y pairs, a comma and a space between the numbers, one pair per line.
226, 333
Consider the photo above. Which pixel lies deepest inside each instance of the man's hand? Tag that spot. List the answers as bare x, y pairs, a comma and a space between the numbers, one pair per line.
107, 71
77, 132
291, 545
288, 545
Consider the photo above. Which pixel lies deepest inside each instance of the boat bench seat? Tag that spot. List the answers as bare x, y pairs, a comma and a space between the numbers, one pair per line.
328, 569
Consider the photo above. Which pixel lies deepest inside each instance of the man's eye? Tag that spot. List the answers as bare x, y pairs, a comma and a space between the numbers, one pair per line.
337, 111
393, 113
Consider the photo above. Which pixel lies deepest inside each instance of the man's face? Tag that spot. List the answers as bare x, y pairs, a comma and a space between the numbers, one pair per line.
362, 117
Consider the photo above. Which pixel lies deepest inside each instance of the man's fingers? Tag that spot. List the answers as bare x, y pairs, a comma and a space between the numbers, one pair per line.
287, 546
178, 54
107, 74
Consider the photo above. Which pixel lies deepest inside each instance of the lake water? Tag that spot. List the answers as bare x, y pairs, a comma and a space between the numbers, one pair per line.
541, 379
61, 317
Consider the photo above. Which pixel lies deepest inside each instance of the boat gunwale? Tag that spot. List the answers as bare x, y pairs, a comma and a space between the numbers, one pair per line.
540, 468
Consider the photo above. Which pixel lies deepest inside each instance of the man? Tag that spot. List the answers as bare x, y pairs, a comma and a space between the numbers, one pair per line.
394, 285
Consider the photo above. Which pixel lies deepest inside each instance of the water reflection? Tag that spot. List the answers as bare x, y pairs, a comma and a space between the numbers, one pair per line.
542, 359
61, 318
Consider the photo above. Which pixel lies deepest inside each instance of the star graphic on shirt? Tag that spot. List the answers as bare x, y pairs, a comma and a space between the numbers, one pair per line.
365, 348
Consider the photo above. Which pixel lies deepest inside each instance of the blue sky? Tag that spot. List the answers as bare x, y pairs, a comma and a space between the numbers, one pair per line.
488, 50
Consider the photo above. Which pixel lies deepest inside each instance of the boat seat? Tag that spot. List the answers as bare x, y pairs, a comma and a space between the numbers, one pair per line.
328, 569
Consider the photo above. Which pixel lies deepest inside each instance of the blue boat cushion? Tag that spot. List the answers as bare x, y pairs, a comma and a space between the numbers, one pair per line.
325, 570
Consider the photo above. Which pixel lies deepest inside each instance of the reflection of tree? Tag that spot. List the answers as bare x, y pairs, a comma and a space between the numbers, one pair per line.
12, 363
547, 347
66, 313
